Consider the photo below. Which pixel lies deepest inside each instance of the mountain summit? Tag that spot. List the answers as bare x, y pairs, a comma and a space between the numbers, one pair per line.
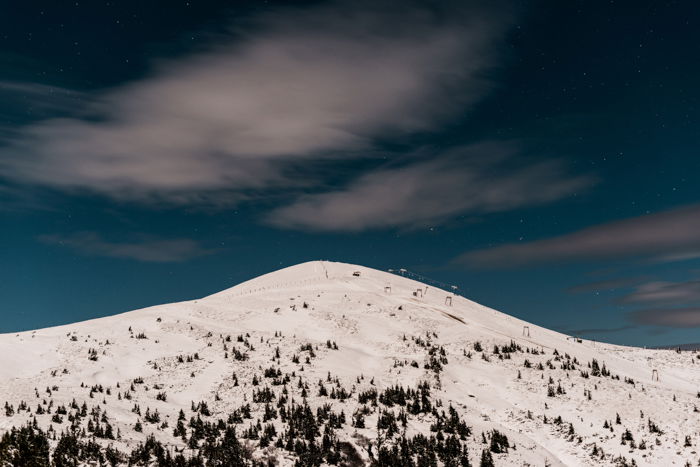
332, 363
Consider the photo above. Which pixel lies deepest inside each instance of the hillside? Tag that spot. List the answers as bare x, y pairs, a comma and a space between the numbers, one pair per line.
315, 364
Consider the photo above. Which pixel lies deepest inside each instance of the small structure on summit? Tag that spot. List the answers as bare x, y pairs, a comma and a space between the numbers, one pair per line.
356, 273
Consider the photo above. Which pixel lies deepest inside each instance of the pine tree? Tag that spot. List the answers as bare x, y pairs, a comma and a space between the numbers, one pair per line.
486, 459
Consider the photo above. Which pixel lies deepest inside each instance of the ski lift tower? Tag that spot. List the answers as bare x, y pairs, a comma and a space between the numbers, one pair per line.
448, 299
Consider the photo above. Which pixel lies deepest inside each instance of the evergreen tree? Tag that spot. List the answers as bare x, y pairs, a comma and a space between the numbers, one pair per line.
486, 459
26, 447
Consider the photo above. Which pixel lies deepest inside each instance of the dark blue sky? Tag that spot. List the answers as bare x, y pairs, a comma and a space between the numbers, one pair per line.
540, 155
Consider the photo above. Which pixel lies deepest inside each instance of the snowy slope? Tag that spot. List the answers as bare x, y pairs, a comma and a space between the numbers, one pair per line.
380, 323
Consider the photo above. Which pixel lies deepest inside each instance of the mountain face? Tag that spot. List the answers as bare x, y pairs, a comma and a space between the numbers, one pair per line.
330, 363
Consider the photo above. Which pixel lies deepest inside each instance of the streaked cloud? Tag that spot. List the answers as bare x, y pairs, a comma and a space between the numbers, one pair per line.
665, 236
475, 179
665, 292
143, 248
607, 285
35, 99
299, 85
668, 317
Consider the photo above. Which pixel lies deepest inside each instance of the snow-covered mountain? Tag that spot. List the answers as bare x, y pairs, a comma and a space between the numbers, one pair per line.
328, 362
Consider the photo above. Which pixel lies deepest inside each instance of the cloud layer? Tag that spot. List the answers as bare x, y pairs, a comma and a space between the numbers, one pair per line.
665, 292
306, 83
146, 249
472, 179
670, 317
665, 236
607, 285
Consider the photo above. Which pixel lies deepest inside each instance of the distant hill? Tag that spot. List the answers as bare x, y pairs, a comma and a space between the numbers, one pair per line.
695, 346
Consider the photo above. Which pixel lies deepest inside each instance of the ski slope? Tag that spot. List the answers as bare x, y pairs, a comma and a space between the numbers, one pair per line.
378, 321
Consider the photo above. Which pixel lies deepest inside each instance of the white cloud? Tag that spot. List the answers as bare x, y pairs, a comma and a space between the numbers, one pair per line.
467, 180
665, 292
301, 84
37, 98
665, 236
669, 317
146, 248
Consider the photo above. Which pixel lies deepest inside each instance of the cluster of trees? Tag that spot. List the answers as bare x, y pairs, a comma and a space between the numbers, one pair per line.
308, 435
272, 421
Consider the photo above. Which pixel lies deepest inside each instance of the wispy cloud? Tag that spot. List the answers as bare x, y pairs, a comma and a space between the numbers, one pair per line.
664, 236
665, 292
144, 248
473, 179
607, 285
300, 84
672, 304
668, 317
39, 95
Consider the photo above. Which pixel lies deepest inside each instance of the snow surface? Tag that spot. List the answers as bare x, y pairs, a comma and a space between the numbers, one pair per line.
368, 317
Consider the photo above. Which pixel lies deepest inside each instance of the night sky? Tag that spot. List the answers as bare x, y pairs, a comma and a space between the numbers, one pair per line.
542, 156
